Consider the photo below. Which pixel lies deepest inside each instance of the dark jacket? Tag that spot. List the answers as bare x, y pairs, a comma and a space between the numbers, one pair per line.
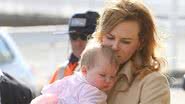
12, 91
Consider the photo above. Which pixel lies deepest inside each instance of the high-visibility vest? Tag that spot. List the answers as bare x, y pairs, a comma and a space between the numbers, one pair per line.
67, 71
70, 69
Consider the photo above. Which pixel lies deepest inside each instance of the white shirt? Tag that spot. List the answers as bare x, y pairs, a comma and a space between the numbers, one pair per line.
75, 89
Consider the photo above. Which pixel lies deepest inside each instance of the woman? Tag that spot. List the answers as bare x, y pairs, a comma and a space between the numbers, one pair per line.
128, 28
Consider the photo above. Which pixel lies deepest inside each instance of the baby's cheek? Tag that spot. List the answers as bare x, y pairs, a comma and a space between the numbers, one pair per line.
99, 83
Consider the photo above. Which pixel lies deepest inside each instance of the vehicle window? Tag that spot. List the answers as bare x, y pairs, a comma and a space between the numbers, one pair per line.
5, 53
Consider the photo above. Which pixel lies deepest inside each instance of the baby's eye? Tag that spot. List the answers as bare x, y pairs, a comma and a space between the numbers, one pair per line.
113, 77
102, 75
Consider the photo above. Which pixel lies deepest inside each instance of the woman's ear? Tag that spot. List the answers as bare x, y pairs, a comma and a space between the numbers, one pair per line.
84, 70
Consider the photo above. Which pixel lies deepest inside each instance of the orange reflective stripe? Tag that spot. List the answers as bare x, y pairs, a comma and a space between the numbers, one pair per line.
69, 69
54, 76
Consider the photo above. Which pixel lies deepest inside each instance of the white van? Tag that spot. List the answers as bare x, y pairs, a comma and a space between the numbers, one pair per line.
12, 62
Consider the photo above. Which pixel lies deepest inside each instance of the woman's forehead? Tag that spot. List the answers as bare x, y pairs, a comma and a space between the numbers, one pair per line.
127, 26
131, 28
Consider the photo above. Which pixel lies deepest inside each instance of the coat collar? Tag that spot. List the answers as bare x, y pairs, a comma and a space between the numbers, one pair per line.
125, 77
127, 71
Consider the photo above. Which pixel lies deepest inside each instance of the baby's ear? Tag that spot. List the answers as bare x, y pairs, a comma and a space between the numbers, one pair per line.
84, 70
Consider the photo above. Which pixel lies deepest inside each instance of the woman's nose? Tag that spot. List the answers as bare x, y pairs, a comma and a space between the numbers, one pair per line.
115, 46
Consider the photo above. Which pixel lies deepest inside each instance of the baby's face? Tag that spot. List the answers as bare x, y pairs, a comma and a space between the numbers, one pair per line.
102, 75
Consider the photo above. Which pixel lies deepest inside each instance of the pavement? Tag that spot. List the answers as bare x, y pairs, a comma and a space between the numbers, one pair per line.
177, 96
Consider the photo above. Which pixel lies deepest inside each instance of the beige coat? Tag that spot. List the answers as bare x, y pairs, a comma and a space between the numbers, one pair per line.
152, 89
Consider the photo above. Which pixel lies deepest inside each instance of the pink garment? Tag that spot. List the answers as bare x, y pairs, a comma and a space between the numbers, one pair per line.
45, 99
75, 89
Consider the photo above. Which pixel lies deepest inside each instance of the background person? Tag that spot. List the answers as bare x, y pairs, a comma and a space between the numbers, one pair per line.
129, 29
98, 67
81, 26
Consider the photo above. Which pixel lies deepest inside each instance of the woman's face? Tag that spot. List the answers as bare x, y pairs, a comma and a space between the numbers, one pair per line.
123, 39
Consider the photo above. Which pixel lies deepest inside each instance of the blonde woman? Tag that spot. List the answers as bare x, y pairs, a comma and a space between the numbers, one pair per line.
129, 29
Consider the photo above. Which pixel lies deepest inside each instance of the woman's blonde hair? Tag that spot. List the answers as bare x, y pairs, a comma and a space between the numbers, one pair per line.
127, 10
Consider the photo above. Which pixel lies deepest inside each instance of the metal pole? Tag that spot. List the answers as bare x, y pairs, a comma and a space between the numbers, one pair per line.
173, 25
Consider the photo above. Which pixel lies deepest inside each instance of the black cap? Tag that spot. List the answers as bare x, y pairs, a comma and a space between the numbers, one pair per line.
83, 23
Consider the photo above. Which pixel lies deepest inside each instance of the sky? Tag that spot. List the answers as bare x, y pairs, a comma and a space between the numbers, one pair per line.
49, 7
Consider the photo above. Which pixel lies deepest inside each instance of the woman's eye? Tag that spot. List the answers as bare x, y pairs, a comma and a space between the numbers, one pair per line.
125, 42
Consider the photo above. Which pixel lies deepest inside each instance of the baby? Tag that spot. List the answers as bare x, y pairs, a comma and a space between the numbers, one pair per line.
98, 68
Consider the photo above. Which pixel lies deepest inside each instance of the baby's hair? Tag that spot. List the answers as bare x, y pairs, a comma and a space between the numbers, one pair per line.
90, 54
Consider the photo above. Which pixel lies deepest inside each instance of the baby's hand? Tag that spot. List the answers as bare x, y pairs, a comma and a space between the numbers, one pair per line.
45, 99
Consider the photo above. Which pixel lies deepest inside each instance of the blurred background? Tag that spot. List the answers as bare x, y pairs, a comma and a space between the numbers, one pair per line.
36, 27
